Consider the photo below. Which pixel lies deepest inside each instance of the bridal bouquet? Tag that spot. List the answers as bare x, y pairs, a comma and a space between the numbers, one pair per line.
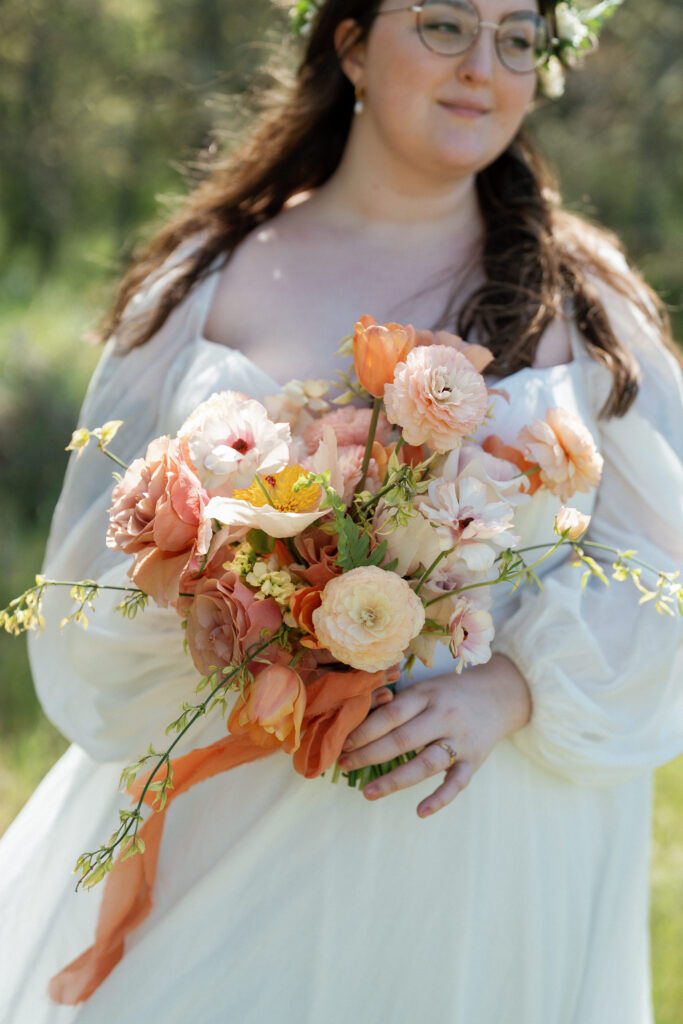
312, 544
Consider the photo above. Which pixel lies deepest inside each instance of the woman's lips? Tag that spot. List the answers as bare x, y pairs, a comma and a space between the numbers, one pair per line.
464, 111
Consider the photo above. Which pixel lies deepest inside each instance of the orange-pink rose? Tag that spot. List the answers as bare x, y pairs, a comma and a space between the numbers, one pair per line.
377, 350
271, 709
565, 451
437, 397
157, 516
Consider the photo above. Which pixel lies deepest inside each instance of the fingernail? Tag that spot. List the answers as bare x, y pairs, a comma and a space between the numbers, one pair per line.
347, 746
424, 812
371, 791
342, 761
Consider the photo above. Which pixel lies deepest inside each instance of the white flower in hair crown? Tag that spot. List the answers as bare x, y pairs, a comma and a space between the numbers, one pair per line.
577, 25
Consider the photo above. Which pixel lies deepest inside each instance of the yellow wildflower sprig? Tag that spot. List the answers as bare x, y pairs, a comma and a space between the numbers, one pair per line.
24, 612
94, 865
80, 439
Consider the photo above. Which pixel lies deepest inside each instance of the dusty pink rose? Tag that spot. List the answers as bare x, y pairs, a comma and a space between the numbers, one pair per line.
224, 618
351, 426
572, 522
565, 451
368, 617
471, 629
437, 397
157, 515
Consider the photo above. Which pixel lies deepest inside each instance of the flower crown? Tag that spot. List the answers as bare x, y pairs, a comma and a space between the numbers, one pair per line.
577, 27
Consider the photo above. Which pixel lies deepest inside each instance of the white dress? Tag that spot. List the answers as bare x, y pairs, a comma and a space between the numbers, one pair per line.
285, 901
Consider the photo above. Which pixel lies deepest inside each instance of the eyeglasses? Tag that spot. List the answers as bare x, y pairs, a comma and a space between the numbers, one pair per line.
451, 27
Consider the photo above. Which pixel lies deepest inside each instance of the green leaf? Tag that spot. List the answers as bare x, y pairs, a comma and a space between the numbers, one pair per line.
261, 542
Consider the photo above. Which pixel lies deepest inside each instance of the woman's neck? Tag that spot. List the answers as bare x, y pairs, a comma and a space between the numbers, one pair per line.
370, 193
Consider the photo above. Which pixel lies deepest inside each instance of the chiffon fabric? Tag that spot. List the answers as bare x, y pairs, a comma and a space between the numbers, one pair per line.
289, 901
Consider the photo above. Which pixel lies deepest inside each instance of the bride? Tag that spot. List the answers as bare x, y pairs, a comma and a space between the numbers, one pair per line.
396, 179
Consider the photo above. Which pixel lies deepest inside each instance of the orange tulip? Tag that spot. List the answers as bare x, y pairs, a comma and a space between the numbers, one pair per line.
377, 350
272, 708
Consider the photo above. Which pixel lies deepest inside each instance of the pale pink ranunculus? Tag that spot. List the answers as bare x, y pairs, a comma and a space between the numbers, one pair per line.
502, 478
564, 449
449, 576
351, 426
572, 522
229, 438
368, 617
471, 629
436, 398
479, 525
412, 546
224, 618
158, 516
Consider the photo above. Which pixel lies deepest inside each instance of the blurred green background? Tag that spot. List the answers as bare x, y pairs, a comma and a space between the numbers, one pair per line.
103, 107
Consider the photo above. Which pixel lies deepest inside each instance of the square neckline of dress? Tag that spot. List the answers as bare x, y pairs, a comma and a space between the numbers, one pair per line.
210, 284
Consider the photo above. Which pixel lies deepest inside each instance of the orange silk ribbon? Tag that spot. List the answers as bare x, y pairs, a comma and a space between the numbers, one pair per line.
336, 703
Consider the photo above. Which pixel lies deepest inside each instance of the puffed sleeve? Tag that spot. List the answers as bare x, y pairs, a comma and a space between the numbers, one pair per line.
113, 687
606, 672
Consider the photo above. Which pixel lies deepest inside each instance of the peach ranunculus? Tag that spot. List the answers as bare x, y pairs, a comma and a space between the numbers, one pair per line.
271, 709
224, 619
437, 397
368, 617
565, 450
571, 522
478, 355
471, 628
158, 515
377, 350
229, 438
351, 426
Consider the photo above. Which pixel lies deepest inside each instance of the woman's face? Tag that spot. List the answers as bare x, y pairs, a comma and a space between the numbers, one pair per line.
449, 115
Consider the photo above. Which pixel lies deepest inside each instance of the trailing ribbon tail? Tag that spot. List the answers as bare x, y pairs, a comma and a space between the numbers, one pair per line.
337, 702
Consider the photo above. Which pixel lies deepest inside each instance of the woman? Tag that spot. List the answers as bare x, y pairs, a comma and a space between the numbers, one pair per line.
395, 181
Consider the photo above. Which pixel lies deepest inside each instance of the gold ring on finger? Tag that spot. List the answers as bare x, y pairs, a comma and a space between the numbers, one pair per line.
449, 750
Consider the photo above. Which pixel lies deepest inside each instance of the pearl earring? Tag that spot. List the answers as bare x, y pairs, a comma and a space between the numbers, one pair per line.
359, 104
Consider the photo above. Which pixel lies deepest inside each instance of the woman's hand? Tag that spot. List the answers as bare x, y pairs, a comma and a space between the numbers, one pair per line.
471, 713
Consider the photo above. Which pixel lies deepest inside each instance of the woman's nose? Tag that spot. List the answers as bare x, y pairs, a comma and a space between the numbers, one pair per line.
476, 64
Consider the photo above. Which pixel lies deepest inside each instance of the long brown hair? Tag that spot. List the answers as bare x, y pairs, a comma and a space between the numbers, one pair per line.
535, 255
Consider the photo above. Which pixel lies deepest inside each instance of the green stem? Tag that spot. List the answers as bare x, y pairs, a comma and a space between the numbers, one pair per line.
427, 573
380, 494
132, 823
110, 455
263, 487
376, 407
